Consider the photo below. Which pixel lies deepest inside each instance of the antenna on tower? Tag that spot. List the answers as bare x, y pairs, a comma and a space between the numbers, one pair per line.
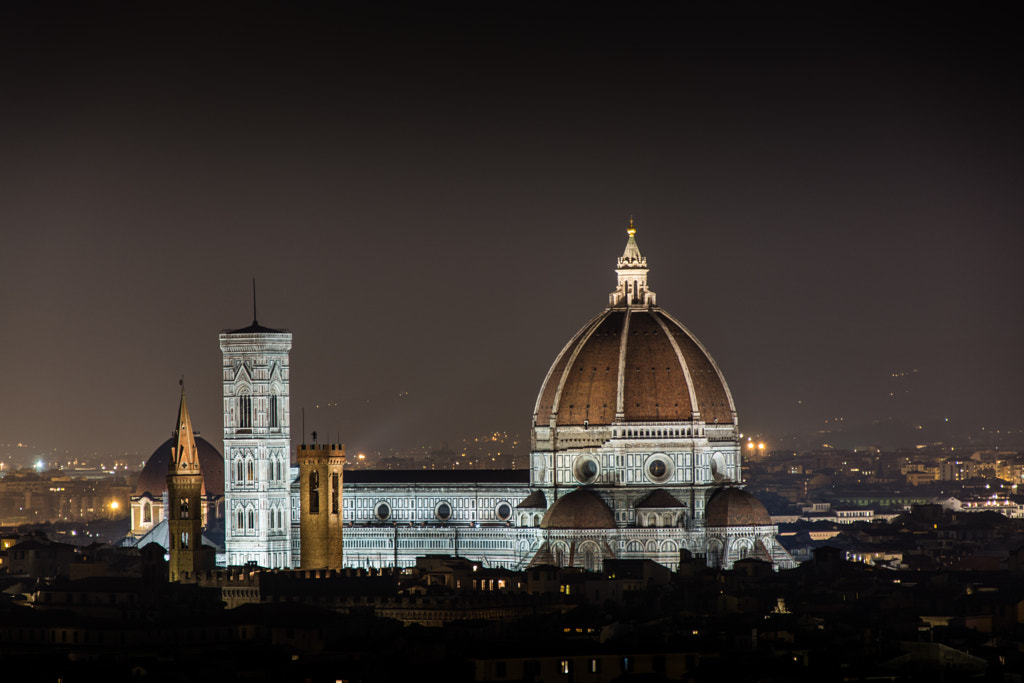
254, 301
303, 424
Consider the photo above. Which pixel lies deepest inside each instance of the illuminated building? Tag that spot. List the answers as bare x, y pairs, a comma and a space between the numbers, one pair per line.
635, 453
257, 471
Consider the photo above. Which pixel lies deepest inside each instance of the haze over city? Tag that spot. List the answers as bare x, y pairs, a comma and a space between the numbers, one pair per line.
433, 204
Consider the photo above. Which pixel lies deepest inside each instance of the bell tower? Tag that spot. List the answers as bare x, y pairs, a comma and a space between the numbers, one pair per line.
185, 499
257, 445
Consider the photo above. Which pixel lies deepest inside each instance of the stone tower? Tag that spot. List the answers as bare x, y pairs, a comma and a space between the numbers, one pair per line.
184, 499
256, 446
320, 494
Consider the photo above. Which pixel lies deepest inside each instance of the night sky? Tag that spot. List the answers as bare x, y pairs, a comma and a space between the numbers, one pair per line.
432, 203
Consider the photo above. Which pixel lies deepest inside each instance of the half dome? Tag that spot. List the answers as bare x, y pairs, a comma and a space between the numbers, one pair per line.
580, 509
731, 506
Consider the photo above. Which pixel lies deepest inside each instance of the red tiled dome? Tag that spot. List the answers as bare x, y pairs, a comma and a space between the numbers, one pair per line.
641, 361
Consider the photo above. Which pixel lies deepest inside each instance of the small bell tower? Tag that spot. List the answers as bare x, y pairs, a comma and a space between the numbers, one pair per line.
185, 499
321, 475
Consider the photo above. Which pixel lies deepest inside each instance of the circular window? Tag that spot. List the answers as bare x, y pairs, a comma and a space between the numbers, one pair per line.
503, 511
383, 511
443, 511
659, 468
586, 469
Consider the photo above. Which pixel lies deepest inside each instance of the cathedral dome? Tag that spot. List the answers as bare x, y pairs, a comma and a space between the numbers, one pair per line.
153, 478
731, 506
633, 363
580, 509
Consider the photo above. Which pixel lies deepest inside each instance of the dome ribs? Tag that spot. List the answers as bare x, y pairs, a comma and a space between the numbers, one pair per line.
589, 391
656, 385
547, 400
637, 366
713, 398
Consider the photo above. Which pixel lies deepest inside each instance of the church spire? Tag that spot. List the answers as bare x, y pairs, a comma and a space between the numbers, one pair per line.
631, 273
185, 458
184, 500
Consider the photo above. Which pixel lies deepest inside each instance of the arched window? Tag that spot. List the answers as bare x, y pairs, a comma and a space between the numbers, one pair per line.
250, 471
147, 513
560, 554
245, 411
183, 508
275, 422
314, 493
239, 475
184, 540
241, 520
252, 519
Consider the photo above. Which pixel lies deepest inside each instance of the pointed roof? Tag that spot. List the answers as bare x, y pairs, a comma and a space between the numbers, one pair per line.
185, 455
659, 498
255, 328
536, 499
631, 257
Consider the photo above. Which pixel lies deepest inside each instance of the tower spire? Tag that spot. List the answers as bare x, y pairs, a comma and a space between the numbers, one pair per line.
185, 458
631, 272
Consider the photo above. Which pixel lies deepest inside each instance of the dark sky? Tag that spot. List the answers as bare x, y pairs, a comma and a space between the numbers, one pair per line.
433, 202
